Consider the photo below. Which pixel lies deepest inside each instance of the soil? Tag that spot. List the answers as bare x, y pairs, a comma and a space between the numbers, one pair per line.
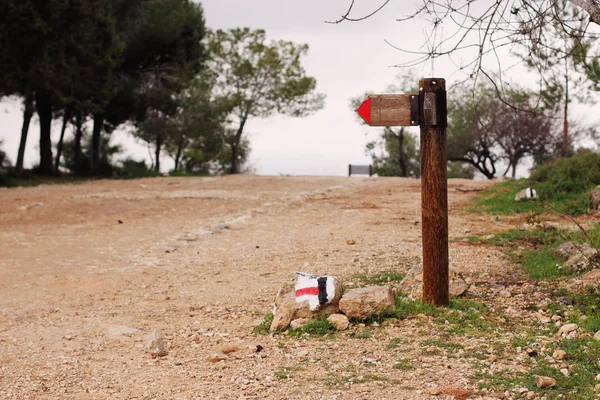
88, 271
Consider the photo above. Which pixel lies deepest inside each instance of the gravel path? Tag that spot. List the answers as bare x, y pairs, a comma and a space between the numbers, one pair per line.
88, 271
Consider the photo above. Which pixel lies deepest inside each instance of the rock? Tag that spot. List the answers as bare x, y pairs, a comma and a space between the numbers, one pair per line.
531, 395
580, 262
597, 335
156, 345
596, 198
340, 321
350, 241
569, 249
461, 394
434, 391
361, 303
118, 330
566, 329
412, 284
220, 227
591, 278
299, 298
544, 382
505, 293
559, 354
526, 194
298, 323
565, 372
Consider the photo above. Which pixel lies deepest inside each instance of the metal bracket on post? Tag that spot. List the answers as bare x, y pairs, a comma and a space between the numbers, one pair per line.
433, 109
414, 110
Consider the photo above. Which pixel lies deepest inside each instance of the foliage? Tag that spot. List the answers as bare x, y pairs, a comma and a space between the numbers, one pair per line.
4, 160
395, 152
264, 327
131, 169
399, 154
106, 165
483, 129
460, 170
259, 79
567, 182
531, 249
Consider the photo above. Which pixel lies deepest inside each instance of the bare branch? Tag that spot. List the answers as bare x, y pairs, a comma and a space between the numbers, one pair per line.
346, 18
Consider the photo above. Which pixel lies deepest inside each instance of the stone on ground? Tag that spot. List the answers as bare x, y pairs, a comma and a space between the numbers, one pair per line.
361, 303
156, 345
526, 194
288, 308
544, 381
298, 323
340, 321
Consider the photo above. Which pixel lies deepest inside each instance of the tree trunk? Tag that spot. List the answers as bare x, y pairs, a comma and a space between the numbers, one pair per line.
96, 140
27, 115
565, 142
59, 147
179, 152
159, 142
77, 145
235, 144
514, 170
402, 159
44, 110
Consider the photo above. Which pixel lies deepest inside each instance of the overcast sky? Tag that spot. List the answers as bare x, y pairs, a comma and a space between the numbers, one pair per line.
347, 60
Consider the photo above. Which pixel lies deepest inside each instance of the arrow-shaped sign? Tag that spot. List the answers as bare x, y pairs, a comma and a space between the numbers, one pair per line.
390, 110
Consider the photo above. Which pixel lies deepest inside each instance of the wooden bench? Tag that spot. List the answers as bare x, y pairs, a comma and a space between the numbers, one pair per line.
360, 170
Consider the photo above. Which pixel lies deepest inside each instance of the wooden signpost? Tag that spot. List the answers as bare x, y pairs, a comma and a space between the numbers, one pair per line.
428, 110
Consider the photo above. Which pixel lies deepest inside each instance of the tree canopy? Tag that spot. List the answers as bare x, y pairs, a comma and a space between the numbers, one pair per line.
259, 79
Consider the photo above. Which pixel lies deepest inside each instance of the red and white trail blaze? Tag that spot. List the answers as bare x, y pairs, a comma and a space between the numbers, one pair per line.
317, 290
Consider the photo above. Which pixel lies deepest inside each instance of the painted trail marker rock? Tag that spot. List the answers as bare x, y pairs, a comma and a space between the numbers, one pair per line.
526, 194
306, 296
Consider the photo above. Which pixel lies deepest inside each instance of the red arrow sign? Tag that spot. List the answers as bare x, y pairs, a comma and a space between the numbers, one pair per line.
390, 110
365, 111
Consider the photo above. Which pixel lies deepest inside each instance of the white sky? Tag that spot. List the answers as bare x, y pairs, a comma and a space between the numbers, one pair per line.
347, 60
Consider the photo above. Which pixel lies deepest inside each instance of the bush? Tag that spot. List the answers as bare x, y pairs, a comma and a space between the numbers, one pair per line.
566, 183
131, 169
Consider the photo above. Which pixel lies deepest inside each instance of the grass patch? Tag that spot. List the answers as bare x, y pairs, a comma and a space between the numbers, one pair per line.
314, 327
264, 327
380, 278
565, 184
366, 334
334, 379
532, 249
500, 199
583, 354
282, 373
404, 364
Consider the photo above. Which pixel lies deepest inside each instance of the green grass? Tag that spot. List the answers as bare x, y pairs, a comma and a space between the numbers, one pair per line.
404, 364
264, 327
282, 373
500, 199
565, 184
361, 334
583, 354
380, 278
531, 249
314, 327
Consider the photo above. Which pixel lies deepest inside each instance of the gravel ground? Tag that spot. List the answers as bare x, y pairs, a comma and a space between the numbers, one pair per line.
88, 271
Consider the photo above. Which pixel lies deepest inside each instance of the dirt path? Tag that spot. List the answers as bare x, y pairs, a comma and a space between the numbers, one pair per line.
88, 271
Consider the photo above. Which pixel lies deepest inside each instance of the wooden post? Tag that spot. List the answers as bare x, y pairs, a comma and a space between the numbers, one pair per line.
434, 190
